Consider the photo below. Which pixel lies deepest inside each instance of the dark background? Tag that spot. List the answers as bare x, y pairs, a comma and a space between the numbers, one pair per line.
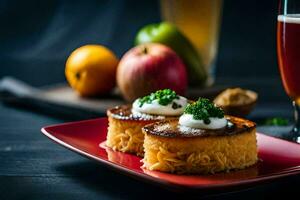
37, 36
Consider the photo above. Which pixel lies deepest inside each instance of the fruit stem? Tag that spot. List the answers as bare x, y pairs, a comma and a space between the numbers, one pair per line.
145, 50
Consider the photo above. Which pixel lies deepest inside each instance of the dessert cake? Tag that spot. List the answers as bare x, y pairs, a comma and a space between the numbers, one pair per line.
126, 121
201, 141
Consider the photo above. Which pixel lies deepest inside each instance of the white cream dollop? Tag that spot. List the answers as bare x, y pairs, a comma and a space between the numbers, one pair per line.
154, 108
215, 123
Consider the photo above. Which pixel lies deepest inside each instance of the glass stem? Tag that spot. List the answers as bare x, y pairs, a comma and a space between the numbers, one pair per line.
296, 128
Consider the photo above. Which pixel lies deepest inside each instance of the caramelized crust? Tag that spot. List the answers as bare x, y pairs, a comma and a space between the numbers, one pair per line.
171, 128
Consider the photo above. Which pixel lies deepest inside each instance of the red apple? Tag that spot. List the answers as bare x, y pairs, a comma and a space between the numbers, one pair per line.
150, 67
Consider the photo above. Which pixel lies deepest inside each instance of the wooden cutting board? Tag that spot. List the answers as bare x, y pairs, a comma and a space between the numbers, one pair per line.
62, 100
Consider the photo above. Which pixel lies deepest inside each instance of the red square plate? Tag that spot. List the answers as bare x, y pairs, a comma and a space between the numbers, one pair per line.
279, 158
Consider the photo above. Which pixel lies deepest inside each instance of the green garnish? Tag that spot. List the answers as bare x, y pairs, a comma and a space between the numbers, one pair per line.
164, 98
277, 121
203, 109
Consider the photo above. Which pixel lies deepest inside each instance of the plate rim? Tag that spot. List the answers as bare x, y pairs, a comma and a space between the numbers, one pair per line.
127, 171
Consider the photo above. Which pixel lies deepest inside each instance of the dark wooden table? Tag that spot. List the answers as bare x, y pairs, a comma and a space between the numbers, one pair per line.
33, 167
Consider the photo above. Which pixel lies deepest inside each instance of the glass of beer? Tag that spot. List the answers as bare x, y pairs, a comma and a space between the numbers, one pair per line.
288, 53
199, 20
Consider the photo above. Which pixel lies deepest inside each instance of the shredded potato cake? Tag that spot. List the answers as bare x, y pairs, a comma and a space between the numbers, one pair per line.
126, 136
200, 155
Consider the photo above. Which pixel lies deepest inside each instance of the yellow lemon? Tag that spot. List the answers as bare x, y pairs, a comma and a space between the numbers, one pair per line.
91, 70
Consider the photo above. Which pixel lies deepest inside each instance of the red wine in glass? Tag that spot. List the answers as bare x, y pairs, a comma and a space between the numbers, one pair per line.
288, 53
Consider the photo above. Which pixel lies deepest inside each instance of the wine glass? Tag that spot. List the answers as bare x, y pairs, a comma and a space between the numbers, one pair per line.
288, 53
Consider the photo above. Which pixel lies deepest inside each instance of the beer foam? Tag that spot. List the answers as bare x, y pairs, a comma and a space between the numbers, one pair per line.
291, 18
